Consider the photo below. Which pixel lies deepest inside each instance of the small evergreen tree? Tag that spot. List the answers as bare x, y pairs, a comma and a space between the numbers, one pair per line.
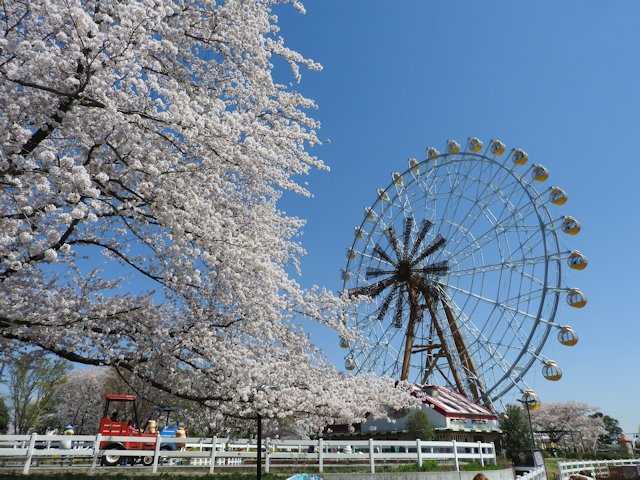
418, 425
515, 431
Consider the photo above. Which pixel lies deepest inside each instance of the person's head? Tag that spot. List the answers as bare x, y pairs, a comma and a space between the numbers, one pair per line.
480, 476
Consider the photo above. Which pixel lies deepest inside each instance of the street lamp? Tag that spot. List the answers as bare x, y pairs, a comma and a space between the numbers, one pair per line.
530, 400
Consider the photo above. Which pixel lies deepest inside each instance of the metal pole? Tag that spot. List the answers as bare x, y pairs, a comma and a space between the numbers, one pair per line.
259, 453
533, 443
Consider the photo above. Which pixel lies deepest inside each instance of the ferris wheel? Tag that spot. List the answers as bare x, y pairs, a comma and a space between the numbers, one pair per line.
458, 269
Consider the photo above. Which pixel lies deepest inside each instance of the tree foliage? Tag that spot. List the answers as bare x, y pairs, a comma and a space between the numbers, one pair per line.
4, 416
33, 380
147, 140
612, 427
561, 420
419, 426
516, 433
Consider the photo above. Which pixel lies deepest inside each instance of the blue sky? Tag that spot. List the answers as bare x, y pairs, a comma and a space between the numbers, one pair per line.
558, 79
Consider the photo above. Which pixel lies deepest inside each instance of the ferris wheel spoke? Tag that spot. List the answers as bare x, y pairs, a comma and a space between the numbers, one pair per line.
500, 361
453, 188
475, 246
425, 226
516, 210
371, 290
494, 302
475, 202
506, 265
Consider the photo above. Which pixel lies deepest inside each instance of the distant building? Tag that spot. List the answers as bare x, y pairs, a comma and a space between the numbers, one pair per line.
453, 416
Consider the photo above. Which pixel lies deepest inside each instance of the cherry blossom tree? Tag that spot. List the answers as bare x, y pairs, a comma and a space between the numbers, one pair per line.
80, 401
561, 420
144, 147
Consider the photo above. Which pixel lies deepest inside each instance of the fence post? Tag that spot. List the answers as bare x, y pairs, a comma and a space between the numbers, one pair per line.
27, 462
480, 453
372, 465
212, 457
96, 453
266, 455
495, 455
455, 455
156, 454
419, 450
320, 455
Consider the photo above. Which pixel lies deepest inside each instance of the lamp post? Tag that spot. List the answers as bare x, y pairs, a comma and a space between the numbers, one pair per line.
528, 400
259, 453
259, 435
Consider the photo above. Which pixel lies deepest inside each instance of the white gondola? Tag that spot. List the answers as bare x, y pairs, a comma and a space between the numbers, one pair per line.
344, 343
345, 275
358, 233
349, 363
351, 254
397, 179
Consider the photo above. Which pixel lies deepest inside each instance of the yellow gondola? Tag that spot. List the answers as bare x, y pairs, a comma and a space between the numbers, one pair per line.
453, 146
497, 147
432, 153
369, 214
567, 337
475, 144
414, 165
557, 196
570, 225
577, 261
383, 195
520, 157
551, 371
540, 173
575, 298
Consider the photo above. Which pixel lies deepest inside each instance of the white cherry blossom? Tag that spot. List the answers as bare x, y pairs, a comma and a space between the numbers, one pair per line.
149, 140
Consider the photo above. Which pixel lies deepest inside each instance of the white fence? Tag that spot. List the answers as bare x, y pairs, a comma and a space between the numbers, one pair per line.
46, 451
535, 474
595, 468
